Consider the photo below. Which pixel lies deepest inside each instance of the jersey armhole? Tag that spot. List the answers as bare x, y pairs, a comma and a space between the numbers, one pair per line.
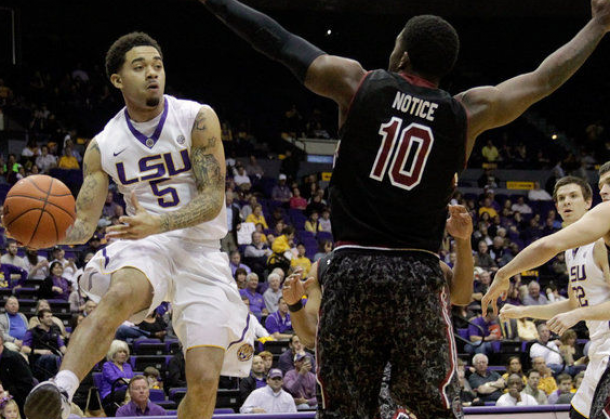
466, 156
349, 107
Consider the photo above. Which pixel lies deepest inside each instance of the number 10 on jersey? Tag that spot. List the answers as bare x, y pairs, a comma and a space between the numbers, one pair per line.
405, 151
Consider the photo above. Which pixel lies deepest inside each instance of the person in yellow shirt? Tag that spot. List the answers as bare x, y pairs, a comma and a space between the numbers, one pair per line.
257, 216
514, 367
312, 225
301, 260
547, 383
281, 256
68, 161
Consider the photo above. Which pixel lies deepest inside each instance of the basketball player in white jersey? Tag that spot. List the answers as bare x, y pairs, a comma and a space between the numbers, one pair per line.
585, 242
167, 159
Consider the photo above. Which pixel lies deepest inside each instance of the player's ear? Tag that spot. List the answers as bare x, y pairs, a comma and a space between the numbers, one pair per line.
116, 81
589, 202
405, 61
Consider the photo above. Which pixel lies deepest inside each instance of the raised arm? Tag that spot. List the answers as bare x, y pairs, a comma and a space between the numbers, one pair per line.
461, 277
494, 106
91, 197
333, 77
594, 225
208, 166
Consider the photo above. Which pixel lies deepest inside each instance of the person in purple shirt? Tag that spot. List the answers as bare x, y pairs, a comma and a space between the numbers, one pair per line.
44, 346
483, 336
116, 371
235, 262
278, 324
257, 302
300, 382
140, 404
55, 286
12, 276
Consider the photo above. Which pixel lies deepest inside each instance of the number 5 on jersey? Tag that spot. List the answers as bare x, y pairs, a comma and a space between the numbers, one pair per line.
408, 158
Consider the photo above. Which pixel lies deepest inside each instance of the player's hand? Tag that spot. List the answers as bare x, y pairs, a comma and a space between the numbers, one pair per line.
499, 288
600, 11
562, 322
510, 311
293, 289
141, 225
459, 224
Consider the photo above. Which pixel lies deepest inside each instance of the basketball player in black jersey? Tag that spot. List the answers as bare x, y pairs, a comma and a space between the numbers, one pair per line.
402, 142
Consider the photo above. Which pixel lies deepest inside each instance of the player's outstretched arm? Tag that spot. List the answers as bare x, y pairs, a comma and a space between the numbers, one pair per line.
494, 106
91, 197
333, 77
459, 225
304, 319
594, 225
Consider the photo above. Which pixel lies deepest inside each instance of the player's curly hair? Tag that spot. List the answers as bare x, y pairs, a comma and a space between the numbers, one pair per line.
432, 44
115, 57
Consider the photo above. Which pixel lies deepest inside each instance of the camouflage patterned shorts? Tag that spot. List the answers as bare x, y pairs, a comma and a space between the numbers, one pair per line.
379, 308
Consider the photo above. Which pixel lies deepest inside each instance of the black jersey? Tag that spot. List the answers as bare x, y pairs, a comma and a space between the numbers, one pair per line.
401, 146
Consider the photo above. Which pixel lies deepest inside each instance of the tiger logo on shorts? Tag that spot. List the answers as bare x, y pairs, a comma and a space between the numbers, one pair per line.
245, 352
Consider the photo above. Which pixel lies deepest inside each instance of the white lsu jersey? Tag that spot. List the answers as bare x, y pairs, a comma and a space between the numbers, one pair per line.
589, 285
156, 166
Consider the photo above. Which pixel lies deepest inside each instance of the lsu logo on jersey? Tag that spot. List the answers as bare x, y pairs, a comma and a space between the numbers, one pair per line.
245, 352
154, 167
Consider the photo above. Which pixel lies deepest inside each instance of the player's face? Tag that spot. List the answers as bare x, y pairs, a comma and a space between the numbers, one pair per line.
604, 186
571, 204
142, 77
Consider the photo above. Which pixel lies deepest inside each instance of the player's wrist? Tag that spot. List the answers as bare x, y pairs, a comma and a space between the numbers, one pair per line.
296, 306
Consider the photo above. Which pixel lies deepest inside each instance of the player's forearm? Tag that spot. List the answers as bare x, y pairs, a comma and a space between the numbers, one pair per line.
595, 312
463, 274
547, 311
536, 254
305, 327
557, 68
79, 232
209, 200
266, 35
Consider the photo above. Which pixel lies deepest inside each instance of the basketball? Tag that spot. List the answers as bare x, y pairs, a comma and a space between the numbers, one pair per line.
38, 211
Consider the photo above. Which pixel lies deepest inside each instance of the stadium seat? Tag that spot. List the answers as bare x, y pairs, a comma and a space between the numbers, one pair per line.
149, 348
227, 398
157, 396
59, 306
26, 293
177, 394
140, 362
276, 346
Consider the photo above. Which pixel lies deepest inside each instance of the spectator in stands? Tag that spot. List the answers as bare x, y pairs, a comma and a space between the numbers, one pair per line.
116, 374
241, 278
533, 381
490, 152
548, 350
10, 257
315, 204
12, 276
281, 191
324, 221
282, 250
278, 323
572, 356
68, 264
176, 373
271, 398
278, 216
255, 324
482, 233
534, 298
13, 324
68, 161
552, 293
140, 404
257, 379
486, 330
267, 360
514, 367
559, 268
286, 361
279, 227
257, 302
516, 396
467, 396
241, 178
254, 169
326, 247
483, 259
273, 294
533, 231
257, 216
538, 194
15, 374
111, 208
486, 207
229, 242
497, 250
487, 384
44, 305
55, 286
578, 381
312, 224
153, 326
300, 382
235, 262
153, 376
488, 179
564, 392
521, 207
300, 260
44, 346
481, 285
297, 201
546, 383
46, 161
36, 265
9, 408
257, 253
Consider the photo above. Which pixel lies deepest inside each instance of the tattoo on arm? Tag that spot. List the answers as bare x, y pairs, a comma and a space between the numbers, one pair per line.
210, 185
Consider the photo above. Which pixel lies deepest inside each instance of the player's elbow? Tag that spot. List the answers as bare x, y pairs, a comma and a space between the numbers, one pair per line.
462, 298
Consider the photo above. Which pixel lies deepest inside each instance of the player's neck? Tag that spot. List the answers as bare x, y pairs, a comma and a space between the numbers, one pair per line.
409, 73
142, 114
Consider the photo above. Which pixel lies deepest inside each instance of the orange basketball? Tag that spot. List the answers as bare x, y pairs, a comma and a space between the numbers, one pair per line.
38, 211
